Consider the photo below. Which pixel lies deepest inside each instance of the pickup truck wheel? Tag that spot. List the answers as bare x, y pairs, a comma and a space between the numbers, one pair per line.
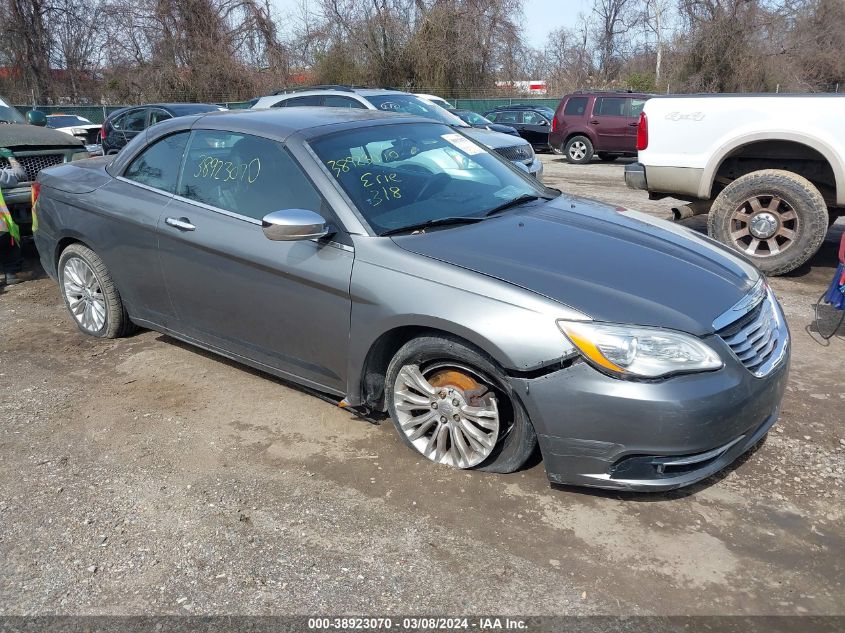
578, 150
452, 404
777, 218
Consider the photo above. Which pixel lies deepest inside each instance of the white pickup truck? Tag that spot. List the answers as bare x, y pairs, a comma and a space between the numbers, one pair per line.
769, 169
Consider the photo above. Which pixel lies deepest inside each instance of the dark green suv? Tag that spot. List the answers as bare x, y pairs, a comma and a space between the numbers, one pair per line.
36, 147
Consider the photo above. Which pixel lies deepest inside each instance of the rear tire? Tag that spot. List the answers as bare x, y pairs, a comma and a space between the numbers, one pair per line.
578, 150
91, 295
776, 218
457, 373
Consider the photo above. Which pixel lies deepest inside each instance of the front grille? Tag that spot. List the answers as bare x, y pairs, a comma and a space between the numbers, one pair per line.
34, 164
756, 336
521, 153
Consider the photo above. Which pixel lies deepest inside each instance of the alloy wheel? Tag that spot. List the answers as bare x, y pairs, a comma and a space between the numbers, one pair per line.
84, 294
763, 226
578, 150
448, 413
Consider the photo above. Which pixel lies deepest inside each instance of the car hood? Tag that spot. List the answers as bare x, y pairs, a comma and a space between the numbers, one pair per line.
504, 129
493, 140
609, 263
21, 137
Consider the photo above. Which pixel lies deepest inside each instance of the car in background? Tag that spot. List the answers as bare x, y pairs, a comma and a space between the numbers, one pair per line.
478, 121
602, 124
36, 147
436, 101
121, 126
533, 122
484, 313
518, 152
79, 127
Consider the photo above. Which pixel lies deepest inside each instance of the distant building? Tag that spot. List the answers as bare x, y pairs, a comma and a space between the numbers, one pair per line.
533, 87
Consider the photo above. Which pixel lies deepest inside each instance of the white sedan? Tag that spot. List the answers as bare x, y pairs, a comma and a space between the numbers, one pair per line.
79, 127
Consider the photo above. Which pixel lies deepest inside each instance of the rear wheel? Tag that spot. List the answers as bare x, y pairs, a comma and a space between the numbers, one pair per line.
452, 404
90, 294
777, 218
578, 150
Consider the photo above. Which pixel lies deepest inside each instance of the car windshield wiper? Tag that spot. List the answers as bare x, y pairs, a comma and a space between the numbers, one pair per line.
466, 219
526, 197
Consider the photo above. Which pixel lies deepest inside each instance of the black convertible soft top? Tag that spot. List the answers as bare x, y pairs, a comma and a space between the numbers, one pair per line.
16, 136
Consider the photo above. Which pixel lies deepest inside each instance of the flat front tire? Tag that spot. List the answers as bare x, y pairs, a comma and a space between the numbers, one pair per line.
452, 404
776, 218
90, 294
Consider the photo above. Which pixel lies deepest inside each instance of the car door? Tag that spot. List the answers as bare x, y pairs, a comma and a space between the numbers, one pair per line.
512, 118
130, 208
535, 128
282, 305
610, 121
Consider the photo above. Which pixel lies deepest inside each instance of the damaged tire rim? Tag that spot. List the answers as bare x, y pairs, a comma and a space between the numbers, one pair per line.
84, 295
578, 150
764, 225
448, 413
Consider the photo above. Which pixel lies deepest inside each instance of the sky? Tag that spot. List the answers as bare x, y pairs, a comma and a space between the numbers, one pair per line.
541, 16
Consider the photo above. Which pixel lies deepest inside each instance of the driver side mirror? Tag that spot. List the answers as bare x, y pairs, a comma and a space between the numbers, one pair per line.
294, 224
35, 117
543, 122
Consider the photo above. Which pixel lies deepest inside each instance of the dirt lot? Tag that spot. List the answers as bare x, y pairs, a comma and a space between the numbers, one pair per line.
144, 476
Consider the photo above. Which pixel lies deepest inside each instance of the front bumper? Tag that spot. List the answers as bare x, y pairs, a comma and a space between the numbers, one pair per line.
534, 168
599, 431
635, 176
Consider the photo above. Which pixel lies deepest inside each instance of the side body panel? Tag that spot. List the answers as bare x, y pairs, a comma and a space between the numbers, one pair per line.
696, 133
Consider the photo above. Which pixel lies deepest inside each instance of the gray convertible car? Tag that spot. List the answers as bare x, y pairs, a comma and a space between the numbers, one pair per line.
400, 266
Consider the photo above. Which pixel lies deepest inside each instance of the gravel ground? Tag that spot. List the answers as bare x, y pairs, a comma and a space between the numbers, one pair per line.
142, 476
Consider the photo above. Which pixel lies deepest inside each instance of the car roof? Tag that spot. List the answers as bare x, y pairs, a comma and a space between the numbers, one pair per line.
522, 106
176, 108
607, 93
281, 122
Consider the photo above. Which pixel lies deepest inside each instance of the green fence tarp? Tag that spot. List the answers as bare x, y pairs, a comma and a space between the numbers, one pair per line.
97, 114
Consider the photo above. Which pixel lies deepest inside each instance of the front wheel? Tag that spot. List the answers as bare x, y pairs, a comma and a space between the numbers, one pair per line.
452, 404
777, 218
578, 150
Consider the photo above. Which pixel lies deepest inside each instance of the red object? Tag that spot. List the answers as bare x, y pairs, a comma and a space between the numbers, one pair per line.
842, 250
103, 132
36, 191
642, 132
554, 123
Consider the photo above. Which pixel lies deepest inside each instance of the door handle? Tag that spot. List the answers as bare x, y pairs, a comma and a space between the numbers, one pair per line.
183, 224
594, 122
634, 124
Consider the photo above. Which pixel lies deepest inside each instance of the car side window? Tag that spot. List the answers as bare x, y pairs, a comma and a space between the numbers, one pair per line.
637, 106
610, 106
158, 165
336, 101
576, 106
156, 116
509, 117
310, 100
244, 174
135, 121
533, 118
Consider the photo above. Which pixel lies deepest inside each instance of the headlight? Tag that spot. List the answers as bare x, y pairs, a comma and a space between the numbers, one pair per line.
638, 351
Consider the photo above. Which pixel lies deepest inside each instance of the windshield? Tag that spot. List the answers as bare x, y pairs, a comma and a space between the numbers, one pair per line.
473, 118
66, 120
9, 115
411, 104
407, 174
